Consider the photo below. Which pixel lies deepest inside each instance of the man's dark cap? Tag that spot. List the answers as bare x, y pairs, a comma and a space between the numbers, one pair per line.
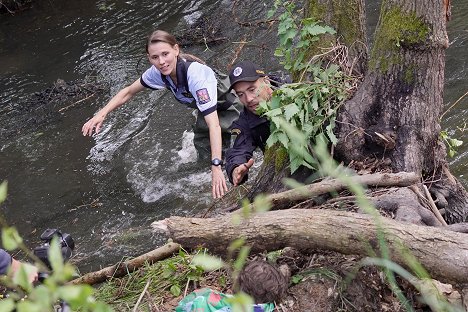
244, 71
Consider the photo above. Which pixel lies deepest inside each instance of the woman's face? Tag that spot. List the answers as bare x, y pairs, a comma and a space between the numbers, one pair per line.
164, 57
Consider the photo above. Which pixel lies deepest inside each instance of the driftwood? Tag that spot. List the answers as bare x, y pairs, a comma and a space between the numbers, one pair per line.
444, 254
291, 197
122, 268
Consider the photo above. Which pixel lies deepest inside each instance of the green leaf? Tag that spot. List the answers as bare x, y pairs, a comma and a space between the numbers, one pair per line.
241, 302
272, 139
295, 164
207, 262
314, 102
236, 244
241, 258
21, 276
76, 295
262, 203
3, 191
290, 110
283, 139
55, 255
7, 305
296, 279
330, 133
28, 306
455, 142
43, 297
274, 112
175, 290
10, 238
101, 307
275, 102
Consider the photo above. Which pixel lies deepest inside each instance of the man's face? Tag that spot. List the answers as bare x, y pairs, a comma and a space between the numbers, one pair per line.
251, 93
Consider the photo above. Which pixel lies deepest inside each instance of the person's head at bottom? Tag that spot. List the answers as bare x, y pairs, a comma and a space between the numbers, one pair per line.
263, 281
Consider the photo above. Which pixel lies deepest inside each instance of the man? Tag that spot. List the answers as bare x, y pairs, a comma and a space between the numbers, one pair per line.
251, 86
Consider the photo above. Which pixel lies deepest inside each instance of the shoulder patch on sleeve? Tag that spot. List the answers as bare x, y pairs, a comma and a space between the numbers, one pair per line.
203, 96
235, 131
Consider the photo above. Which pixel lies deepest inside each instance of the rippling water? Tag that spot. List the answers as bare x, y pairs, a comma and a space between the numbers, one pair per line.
106, 190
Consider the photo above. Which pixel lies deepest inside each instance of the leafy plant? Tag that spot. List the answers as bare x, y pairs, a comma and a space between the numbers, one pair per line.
451, 143
169, 276
308, 106
26, 298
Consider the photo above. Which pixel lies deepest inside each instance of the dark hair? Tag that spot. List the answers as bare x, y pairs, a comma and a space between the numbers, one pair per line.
163, 36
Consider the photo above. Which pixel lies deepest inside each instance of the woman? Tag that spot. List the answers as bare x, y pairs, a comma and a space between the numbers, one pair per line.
193, 84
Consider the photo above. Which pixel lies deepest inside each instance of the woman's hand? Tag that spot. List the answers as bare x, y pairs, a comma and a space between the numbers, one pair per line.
94, 123
120, 98
218, 182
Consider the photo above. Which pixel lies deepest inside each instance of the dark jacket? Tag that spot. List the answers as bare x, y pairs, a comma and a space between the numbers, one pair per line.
252, 131
5, 261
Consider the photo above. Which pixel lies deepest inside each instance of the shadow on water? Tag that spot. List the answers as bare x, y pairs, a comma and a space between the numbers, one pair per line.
106, 190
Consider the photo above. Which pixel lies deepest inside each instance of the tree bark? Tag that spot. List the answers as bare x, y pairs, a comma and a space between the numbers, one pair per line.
395, 114
122, 268
444, 254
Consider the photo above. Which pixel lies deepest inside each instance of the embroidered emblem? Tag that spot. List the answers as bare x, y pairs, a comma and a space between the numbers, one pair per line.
237, 71
203, 96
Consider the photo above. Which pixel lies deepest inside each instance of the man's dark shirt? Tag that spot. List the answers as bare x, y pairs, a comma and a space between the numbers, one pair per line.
252, 132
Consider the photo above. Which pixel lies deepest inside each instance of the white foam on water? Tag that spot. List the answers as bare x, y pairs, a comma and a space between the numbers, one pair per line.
193, 187
187, 153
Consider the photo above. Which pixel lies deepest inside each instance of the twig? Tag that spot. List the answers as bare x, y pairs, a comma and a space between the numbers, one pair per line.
186, 287
67, 107
451, 106
238, 51
152, 305
141, 296
433, 206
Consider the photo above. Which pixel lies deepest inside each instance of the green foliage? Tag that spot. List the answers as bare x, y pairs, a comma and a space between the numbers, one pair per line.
451, 144
306, 107
43, 297
168, 277
295, 36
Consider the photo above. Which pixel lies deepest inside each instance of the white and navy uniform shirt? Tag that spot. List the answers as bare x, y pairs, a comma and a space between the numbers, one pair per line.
201, 83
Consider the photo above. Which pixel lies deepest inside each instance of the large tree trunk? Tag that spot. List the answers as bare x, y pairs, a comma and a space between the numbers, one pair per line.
395, 114
444, 254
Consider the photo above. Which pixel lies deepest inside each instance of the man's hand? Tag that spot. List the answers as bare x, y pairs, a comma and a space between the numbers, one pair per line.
218, 182
30, 270
240, 171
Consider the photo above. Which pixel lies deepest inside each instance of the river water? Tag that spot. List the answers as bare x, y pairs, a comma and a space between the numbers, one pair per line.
105, 191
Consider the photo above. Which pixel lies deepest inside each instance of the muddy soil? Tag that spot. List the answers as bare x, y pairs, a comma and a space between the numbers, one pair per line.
326, 281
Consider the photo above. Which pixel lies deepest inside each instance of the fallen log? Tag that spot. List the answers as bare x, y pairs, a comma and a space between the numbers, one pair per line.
443, 253
122, 268
288, 198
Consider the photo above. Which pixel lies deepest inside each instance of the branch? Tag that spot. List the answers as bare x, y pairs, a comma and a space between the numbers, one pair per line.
123, 268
